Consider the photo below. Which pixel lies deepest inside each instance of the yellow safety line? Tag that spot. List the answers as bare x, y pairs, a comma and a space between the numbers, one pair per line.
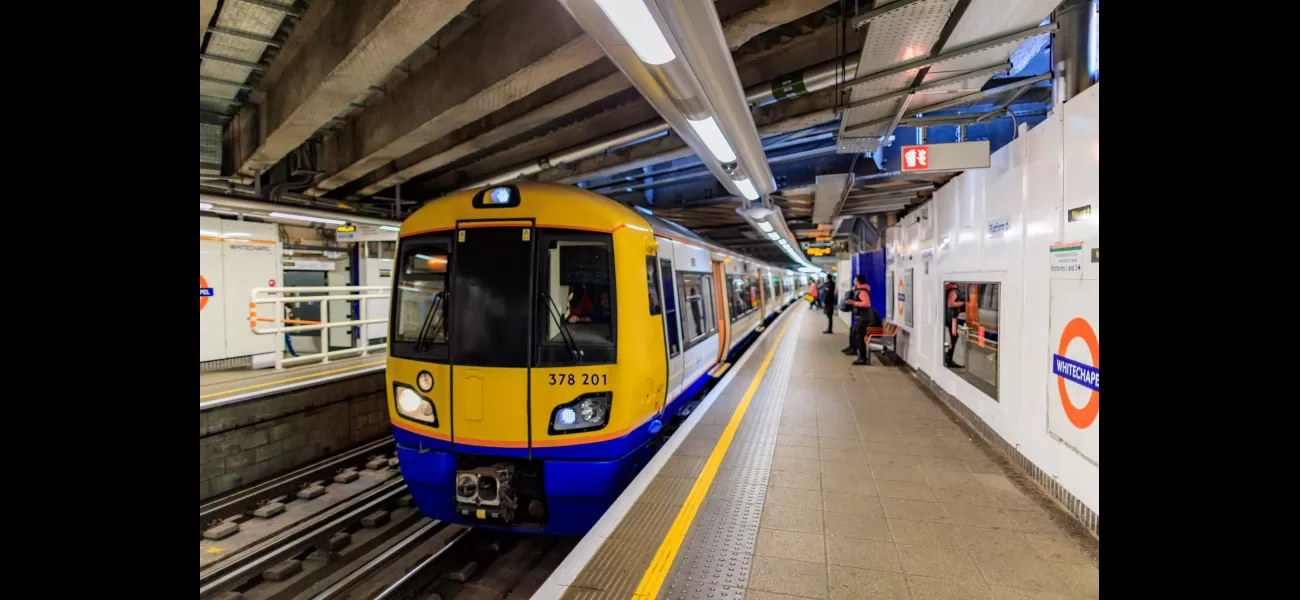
280, 381
663, 560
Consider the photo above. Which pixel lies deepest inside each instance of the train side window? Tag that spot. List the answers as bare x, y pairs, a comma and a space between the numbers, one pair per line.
420, 299
576, 283
695, 321
652, 283
739, 298
670, 307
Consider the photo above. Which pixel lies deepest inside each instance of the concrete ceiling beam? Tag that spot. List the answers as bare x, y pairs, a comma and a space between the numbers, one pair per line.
546, 45
767, 16
207, 8
339, 50
511, 52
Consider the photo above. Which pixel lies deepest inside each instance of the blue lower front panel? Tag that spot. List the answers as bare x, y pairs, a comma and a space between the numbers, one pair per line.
576, 492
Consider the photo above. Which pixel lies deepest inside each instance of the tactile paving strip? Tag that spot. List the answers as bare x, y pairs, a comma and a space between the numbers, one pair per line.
720, 544
685, 589
715, 558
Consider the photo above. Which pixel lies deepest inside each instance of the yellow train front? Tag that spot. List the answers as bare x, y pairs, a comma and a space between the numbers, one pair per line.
527, 366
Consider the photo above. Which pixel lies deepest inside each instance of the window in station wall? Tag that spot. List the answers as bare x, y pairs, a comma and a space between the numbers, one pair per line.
970, 336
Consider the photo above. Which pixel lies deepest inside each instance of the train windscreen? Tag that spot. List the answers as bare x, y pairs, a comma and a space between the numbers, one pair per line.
490, 295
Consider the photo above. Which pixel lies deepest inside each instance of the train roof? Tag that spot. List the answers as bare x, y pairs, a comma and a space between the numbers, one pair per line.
573, 206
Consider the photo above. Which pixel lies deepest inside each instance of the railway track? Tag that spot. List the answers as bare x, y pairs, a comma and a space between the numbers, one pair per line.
347, 528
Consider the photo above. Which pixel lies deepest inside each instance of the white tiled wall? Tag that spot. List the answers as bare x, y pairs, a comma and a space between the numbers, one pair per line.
1031, 184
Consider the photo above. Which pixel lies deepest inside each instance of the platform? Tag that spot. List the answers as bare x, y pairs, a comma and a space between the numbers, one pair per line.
222, 387
802, 476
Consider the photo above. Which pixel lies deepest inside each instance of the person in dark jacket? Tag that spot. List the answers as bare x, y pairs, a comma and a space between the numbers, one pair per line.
827, 296
954, 304
863, 315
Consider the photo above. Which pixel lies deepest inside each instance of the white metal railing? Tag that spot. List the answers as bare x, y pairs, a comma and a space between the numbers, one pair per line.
279, 297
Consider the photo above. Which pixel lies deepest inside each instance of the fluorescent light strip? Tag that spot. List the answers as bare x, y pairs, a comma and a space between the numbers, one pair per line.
765, 226
390, 228
639, 29
205, 206
712, 137
747, 188
774, 235
306, 218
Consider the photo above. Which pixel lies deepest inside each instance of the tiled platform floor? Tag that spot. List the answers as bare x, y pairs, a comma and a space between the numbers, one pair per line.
869, 491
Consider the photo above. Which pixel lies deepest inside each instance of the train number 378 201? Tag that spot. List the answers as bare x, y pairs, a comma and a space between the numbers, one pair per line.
579, 379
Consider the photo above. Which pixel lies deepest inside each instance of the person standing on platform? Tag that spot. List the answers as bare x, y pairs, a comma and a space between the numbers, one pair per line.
827, 296
863, 315
954, 304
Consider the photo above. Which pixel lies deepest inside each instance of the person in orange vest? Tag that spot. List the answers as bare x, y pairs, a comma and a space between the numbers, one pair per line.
816, 300
863, 316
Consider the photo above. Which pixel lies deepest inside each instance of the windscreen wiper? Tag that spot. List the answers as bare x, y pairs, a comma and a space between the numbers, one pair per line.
569, 341
422, 341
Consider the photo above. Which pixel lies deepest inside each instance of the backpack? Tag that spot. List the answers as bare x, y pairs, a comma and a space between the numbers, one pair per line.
844, 306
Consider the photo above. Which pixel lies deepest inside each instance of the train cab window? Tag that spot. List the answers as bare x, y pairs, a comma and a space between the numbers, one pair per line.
698, 313
577, 297
970, 336
419, 308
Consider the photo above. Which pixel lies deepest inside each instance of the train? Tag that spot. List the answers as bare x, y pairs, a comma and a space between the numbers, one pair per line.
543, 339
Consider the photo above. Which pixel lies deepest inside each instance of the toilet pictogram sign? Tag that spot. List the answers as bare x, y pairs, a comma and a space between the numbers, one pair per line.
1086, 375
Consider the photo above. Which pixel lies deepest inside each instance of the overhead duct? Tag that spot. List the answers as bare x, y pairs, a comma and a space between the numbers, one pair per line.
757, 95
830, 190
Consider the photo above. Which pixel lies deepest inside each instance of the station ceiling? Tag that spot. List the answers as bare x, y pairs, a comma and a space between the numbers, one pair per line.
378, 106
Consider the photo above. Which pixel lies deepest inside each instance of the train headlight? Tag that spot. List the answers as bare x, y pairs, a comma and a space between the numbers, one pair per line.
587, 412
412, 405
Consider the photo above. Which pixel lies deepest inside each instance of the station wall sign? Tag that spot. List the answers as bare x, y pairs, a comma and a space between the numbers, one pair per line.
946, 157
364, 233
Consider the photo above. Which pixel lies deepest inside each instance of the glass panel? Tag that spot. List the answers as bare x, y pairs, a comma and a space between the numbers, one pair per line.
744, 295
580, 285
490, 297
575, 298
419, 298
670, 306
970, 336
694, 322
710, 311
652, 283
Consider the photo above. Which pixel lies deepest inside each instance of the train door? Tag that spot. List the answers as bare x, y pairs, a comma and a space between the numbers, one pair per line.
721, 292
672, 322
491, 337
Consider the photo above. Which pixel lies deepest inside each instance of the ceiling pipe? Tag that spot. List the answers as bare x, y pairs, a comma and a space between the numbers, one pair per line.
622, 139
792, 124
805, 81
258, 208
772, 160
286, 199
775, 142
